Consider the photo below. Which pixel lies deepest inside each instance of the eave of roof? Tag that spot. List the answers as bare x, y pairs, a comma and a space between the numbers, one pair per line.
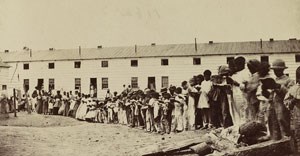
171, 50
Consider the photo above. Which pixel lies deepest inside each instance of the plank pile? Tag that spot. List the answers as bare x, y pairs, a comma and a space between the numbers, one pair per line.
219, 142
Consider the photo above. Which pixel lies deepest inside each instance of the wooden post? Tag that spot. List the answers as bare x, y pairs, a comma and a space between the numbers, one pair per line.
15, 103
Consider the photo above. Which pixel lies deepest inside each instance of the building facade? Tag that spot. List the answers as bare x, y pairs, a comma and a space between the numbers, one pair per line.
154, 66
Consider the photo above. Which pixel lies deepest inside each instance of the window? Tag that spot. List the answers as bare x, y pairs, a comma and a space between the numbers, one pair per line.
26, 85
51, 84
197, 61
26, 66
105, 83
264, 59
164, 62
77, 64
134, 63
165, 82
104, 64
4, 87
134, 82
297, 58
230, 59
77, 83
51, 65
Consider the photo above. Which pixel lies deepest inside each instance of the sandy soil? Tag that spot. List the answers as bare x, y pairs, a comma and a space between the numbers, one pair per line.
39, 135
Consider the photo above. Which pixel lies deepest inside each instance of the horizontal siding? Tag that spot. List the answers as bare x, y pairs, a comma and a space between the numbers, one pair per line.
119, 71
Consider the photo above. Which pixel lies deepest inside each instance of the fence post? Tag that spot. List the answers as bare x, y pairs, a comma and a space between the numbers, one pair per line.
15, 103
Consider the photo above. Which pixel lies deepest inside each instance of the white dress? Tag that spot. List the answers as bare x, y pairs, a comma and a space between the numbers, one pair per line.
82, 110
239, 103
203, 99
191, 109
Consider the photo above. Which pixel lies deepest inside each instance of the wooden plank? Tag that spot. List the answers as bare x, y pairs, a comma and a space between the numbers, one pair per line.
160, 149
181, 145
269, 148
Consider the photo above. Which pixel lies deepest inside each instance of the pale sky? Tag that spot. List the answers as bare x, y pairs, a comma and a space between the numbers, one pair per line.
63, 24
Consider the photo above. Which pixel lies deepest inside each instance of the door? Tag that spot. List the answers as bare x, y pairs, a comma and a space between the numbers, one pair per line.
151, 83
40, 83
93, 87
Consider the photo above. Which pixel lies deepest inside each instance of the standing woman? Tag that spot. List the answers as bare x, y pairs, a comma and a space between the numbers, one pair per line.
3, 106
77, 103
37, 95
192, 92
62, 107
57, 103
45, 102
67, 104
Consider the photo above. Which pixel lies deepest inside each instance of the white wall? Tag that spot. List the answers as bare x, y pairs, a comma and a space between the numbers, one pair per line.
119, 71
4, 78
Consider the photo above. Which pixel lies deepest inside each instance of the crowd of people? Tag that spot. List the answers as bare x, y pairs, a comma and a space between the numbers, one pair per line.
240, 92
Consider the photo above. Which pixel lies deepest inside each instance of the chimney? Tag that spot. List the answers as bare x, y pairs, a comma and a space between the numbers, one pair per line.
153, 44
30, 53
99, 47
260, 43
6, 51
196, 44
135, 48
51, 49
211, 42
271, 39
293, 39
79, 50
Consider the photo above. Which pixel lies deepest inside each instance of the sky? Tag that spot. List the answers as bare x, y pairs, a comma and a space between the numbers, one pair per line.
65, 24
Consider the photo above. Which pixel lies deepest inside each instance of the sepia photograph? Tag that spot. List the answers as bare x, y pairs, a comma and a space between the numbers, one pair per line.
149, 78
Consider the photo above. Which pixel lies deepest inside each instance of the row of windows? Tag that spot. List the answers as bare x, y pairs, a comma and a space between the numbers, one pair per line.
134, 83
164, 62
104, 64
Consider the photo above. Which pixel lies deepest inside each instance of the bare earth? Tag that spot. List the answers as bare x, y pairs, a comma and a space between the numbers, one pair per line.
39, 135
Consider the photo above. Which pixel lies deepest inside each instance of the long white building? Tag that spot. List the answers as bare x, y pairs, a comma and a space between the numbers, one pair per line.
139, 66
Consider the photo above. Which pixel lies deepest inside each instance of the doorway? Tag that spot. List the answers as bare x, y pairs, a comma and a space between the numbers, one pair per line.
40, 83
93, 87
151, 83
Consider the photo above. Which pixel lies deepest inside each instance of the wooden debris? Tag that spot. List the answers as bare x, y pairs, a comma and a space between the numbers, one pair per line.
185, 144
160, 149
202, 149
269, 148
151, 150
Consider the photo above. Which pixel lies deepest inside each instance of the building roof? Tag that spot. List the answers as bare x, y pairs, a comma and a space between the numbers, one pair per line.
171, 50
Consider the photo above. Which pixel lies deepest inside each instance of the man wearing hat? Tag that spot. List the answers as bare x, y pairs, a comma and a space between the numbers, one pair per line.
285, 82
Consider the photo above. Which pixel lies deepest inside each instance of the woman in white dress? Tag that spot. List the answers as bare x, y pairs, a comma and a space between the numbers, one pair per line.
82, 109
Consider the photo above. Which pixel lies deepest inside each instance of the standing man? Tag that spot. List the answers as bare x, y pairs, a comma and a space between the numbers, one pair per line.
251, 89
283, 114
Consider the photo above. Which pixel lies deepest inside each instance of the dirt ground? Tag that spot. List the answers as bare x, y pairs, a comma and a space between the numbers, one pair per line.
44, 135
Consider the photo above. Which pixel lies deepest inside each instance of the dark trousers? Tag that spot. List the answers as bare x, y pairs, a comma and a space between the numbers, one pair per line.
198, 118
216, 114
206, 116
227, 120
55, 110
